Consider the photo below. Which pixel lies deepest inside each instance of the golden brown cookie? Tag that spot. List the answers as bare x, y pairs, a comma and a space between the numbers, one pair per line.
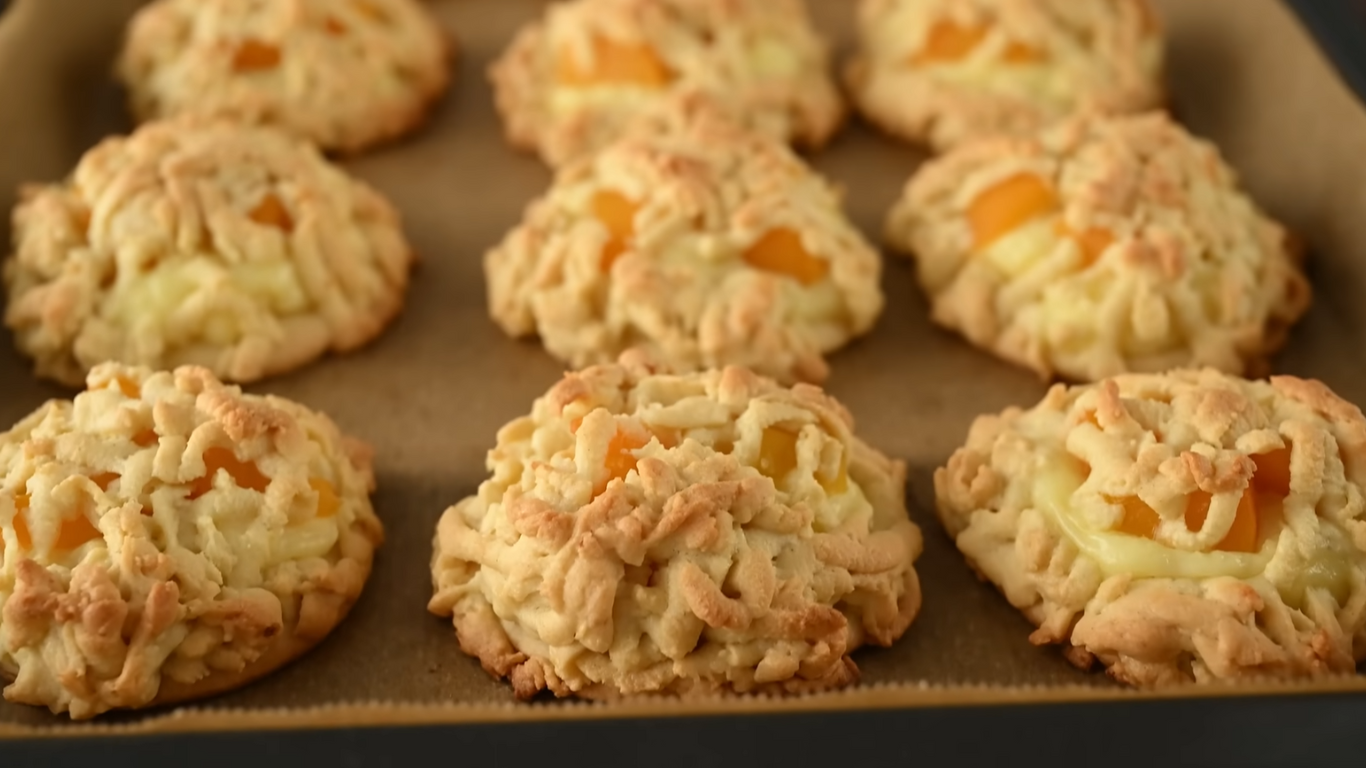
706, 242
202, 242
1104, 245
343, 74
941, 72
646, 532
1186, 527
571, 81
164, 537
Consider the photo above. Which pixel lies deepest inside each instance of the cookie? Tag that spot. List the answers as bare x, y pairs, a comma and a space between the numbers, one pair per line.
571, 81
940, 72
197, 241
164, 537
1104, 245
708, 243
343, 74
1183, 527
644, 532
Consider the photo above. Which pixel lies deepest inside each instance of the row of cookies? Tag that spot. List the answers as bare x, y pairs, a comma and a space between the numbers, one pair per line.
165, 537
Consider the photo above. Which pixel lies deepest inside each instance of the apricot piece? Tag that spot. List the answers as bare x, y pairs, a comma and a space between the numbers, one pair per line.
255, 56
104, 479
244, 473
668, 436
777, 453
949, 41
1273, 472
334, 27
1150, 22
75, 531
781, 251
998, 210
1093, 242
371, 11
840, 482
145, 438
81, 218
21, 531
1022, 53
130, 389
614, 63
1139, 518
328, 503
620, 461
618, 214
1241, 536
272, 213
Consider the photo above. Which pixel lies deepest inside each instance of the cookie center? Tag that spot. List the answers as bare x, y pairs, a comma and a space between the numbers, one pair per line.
781, 251
948, 41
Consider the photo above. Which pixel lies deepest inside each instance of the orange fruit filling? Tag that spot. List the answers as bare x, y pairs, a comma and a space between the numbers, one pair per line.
1139, 518
272, 213
614, 63
618, 215
1000, 209
244, 473
21, 531
73, 532
1272, 477
948, 41
840, 482
328, 503
620, 461
145, 438
105, 479
1273, 471
1022, 53
334, 27
255, 56
777, 452
781, 251
1093, 242
129, 388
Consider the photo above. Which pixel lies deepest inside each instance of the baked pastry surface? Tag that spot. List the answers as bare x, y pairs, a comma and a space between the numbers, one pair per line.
199, 241
941, 72
343, 74
1187, 527
1104, 245
571, 81
645, 532
164, 537
706, 242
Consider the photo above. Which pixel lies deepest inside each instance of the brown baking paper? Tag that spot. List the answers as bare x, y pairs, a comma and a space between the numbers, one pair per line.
431, 393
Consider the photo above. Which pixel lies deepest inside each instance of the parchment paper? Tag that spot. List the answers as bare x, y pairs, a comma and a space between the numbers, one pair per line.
432, 391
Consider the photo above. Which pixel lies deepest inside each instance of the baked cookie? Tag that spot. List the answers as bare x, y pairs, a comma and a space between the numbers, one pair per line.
1103, 246
644, 532
940, 72
707, 243
1192, 526
196, 241
344, 74
165, 537
571, 81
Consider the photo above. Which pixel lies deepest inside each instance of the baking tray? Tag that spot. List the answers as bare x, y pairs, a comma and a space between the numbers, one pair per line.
431, 393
